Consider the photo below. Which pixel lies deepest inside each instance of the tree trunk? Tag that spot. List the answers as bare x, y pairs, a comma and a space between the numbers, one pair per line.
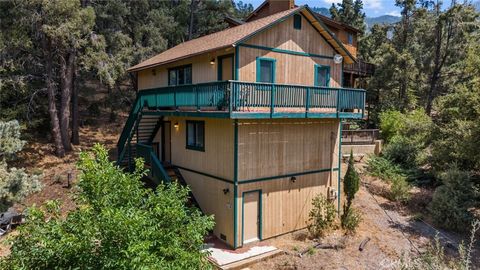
52, 107
66, 83
190, 25
75, 114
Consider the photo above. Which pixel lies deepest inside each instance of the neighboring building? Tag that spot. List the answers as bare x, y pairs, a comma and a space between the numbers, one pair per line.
250, 118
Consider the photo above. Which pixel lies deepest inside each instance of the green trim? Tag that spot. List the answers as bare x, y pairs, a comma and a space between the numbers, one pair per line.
205, 174
237, 59
220, 66
190, 114
341, 80
193, 147
259, 212
235, 183
315, 75
340, 44
258, 73
285, 175
284, 51
339, 164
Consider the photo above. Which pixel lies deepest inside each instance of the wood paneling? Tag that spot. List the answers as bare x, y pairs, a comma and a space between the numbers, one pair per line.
269, 148
217, 159
283, 146
209, 194
202, 70
284, 36
286, 204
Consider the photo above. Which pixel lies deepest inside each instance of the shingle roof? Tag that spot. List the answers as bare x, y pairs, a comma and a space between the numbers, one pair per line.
216, 41
211, 42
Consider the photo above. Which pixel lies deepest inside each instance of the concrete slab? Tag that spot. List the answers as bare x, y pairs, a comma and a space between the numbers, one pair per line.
224, 257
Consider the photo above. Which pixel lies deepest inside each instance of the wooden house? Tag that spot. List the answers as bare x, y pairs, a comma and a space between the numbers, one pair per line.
249, 117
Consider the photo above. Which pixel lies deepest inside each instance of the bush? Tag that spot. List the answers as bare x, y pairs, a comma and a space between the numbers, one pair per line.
451, 202
118, 224
402, 151
15, 183
322, 216
400, 189
350, 219
351, 181
383, 168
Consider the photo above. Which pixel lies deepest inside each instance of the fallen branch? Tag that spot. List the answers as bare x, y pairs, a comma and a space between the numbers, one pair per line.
363, 244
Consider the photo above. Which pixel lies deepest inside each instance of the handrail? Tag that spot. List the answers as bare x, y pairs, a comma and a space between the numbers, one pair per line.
238, 96
156, 169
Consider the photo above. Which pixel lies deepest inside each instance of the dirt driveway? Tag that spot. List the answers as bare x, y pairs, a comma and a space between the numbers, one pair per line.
392, 235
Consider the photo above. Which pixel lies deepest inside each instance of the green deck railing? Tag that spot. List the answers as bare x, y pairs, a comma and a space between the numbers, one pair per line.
243, 97
157, 172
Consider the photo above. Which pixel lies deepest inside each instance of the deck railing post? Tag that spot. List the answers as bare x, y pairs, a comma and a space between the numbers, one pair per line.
175, 99
307, 102
338, 102
230, 95
195, 89
272, 100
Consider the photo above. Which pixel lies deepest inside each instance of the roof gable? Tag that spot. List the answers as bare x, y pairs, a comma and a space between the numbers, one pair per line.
235, 35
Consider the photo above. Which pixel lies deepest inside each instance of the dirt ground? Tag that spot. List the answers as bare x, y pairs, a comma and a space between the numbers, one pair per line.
393, 234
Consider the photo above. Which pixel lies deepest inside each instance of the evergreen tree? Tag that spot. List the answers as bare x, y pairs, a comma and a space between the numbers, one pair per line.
351, 181
349, 12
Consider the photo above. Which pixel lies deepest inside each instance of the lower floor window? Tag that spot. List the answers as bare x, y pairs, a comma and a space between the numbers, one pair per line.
196, 135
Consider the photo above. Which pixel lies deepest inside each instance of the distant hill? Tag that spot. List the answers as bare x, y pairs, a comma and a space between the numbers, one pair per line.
384, 19
322, 11
370, 21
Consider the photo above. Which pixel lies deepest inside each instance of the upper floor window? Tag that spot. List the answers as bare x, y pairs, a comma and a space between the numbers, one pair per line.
350, 38
180, 75
322, 76
297, 21
196, 135
266, 70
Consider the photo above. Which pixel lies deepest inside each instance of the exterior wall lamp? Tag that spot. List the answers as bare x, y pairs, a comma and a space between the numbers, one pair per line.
293, 179
176, 125
212, 61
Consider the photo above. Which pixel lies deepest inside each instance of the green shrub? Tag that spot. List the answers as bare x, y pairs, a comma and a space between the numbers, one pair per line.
391, 123
451, 202
351, 181
118, 224
383, 168
322, 216
350, 219
15, 184
399, 189
402, 151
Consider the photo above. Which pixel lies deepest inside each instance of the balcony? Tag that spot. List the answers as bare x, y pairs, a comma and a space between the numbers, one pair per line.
246, 100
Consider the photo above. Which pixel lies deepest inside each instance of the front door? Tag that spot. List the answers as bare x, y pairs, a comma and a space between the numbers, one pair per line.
166, 142
251, 216
225, 67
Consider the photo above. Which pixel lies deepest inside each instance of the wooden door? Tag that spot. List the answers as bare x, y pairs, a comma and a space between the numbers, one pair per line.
225, 68
251, 216
166, 142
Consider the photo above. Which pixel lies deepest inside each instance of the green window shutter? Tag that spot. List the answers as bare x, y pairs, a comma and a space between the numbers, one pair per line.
297, 21
322, 76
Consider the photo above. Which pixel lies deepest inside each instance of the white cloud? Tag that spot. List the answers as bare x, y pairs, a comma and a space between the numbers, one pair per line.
394, 13
367, 3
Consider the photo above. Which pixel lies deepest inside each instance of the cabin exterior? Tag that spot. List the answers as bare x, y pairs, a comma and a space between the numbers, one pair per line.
248, 117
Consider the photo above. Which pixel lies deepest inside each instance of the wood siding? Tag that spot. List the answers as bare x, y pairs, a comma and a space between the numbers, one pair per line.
290, 69
276, 147
209, 194
202, 70
268, 148
217, 159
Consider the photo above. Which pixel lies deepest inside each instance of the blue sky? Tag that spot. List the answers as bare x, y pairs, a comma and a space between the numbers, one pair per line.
372, 8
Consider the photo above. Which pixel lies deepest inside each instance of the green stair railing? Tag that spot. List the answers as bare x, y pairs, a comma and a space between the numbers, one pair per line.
157, 172
235, 96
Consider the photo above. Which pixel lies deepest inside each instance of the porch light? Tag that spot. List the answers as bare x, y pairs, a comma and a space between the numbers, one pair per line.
293, 179
212, 61
175, 125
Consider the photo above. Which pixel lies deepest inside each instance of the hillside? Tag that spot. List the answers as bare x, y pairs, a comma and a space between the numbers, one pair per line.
384, 19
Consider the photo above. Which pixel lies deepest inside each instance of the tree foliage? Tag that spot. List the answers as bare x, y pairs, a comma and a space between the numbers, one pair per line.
118, 225
15, 183
349, 12
351, 181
